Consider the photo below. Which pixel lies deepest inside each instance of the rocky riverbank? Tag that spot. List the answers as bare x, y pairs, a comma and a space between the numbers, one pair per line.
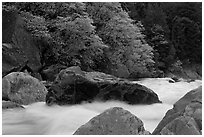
184, 119
72, 86
31, 73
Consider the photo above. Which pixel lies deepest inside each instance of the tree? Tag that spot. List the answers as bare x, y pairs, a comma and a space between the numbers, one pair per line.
185, 21
156, 31
172, 29
79, 41
66, 29
126, 42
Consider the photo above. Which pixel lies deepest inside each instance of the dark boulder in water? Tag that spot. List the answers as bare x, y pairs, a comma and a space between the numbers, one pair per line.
171, 81
185, 118
113, 121
72, 86
176, 79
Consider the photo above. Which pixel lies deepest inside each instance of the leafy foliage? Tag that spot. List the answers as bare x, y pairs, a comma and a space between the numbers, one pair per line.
140, 37
36, 25
79, 40
172, 29
185, 21
67, 29
125, 39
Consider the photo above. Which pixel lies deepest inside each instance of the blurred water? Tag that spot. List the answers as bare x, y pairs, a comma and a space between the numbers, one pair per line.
39, 119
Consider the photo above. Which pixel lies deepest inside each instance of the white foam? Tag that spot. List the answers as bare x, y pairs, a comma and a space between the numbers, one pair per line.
41, 119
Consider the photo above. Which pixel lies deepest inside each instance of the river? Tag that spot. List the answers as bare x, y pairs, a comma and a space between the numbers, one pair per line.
39, 119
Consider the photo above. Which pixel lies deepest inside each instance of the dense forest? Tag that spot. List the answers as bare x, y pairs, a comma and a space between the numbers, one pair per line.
140, 39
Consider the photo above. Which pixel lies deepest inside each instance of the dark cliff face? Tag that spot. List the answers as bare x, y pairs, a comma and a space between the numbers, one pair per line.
19, 50
73, 86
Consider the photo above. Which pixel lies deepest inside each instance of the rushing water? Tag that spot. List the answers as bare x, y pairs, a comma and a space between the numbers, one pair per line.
41, 119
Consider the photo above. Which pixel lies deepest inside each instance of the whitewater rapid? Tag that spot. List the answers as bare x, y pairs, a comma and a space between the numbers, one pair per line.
39, 119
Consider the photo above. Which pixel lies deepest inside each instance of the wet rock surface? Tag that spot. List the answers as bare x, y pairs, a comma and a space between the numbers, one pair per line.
22, 88
72, 86
185, 118
113, 121
9, 105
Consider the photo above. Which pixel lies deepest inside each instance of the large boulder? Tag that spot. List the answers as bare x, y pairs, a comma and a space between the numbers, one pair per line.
114, 121
185, 118
50, 73
22, 88
19, 51
72, 86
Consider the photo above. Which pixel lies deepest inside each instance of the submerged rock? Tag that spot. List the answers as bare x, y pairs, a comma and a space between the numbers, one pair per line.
22, 88
171, 81
114, 121
73, 86
185, 118
176, 79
